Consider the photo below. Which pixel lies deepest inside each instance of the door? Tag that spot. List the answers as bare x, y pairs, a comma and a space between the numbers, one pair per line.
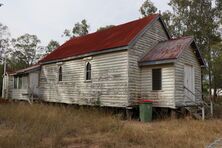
34, 83
189, 83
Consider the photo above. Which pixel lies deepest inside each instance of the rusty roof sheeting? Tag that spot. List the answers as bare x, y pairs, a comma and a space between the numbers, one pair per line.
166, 50
118, 36
169, 50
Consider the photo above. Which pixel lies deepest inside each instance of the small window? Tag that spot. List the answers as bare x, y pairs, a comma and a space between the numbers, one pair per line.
156, 79
60, 73
88, 71
15, 82
19, 82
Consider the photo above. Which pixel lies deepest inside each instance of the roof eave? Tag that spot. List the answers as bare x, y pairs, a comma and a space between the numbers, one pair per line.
87, 55
202, 61
200, 58
157, 62
21, 72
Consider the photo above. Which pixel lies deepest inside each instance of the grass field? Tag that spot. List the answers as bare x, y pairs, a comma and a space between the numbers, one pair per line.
38, 125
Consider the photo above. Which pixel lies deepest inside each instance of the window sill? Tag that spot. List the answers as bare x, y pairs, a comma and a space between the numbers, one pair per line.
88, 81
157, 91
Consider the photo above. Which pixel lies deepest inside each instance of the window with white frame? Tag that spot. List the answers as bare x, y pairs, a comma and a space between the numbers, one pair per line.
18, 82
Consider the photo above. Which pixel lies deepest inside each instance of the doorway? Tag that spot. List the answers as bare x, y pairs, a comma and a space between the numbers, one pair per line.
189, 82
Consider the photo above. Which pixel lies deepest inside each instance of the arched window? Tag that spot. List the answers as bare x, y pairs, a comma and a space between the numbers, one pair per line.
88, 71
60, 73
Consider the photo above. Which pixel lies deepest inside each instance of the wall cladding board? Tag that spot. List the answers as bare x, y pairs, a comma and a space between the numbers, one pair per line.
187, 57
150, 38
164, 97
18, 94
108, 86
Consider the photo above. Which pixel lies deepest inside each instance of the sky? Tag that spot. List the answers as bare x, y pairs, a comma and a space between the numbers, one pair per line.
49, 18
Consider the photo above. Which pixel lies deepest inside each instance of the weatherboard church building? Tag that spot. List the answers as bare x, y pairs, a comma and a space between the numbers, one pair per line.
114, 68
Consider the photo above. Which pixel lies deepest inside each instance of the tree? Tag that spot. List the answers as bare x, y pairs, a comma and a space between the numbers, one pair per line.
105, 27
167, 17
4, 40
24, 52
79, 29
4, 48
147, 8
216, 67
219, 8
52, 45
197, 18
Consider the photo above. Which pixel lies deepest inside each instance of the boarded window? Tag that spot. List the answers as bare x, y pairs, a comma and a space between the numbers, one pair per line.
60, 73
88, 71
157, 79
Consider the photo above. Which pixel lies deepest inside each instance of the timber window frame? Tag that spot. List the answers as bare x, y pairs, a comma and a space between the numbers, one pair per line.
156, 79
60, 74
15, 82
18, 82
88, 72
20, 85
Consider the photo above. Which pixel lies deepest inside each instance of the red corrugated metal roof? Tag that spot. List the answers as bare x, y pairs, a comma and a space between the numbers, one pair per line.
167, 50
117, 36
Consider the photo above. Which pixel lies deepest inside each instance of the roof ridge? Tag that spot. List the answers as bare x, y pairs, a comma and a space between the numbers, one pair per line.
116, 26
117, 36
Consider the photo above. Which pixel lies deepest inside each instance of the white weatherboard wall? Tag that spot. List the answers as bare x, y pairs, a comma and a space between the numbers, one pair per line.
108, 86
164, 97
187, 57
18, 94
34, 83
149, 39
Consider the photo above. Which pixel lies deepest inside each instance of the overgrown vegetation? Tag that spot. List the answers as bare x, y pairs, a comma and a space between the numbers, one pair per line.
39, 125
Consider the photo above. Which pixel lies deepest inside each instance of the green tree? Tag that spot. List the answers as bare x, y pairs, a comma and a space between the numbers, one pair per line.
147, 8
198, 18
24, 52
44, 50
216, 67
167, 17
4, 49
52, 45
4, 40
79, 29
219, 9
105, 27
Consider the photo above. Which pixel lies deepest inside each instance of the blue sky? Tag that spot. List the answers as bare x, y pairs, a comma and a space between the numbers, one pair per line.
49, 18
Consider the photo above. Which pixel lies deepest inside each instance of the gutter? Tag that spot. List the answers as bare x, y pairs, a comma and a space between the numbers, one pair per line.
161, 62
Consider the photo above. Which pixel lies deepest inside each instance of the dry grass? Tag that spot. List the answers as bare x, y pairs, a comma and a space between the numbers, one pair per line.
38, 125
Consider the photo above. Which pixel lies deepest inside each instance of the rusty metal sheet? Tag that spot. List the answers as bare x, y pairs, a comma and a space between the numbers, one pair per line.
117, 36
167, 50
